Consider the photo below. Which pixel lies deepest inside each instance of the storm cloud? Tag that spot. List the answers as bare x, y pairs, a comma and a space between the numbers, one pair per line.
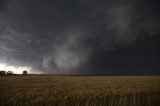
81, 36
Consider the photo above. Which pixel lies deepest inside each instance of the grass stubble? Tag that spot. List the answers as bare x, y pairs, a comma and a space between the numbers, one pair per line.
80, 91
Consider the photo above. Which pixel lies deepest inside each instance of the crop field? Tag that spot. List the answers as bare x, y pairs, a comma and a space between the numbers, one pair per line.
80, 91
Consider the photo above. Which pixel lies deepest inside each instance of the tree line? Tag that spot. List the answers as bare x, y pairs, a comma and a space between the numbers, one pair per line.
11, 73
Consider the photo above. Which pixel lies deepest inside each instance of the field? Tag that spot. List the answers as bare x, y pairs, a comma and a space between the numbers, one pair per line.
80, 91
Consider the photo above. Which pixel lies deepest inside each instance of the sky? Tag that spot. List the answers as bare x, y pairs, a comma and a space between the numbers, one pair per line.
80, 37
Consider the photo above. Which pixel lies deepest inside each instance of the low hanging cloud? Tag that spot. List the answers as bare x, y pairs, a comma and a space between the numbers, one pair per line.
69, 55
79, 37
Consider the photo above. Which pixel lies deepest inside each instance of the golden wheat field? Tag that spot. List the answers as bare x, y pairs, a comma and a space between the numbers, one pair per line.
80, 91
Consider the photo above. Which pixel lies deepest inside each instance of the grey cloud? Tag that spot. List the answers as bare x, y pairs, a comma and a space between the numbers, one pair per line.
74, 36
71, 54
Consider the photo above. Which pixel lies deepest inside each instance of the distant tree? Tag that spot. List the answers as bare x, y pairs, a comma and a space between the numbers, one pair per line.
24, 72
9, 72
2, 73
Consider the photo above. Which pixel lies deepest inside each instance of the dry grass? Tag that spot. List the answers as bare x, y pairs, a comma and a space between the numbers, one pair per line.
79, 91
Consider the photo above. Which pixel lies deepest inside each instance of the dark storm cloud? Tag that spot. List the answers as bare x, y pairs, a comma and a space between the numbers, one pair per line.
82, 36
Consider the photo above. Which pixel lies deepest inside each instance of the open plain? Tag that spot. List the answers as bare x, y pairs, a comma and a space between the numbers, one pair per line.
80, 91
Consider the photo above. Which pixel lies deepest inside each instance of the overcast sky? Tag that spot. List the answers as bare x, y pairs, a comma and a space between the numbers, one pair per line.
100, 37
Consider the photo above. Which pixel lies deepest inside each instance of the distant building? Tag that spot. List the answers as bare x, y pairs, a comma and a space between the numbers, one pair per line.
2, 72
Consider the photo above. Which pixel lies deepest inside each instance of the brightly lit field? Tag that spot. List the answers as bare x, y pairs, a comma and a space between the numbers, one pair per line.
80, 91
